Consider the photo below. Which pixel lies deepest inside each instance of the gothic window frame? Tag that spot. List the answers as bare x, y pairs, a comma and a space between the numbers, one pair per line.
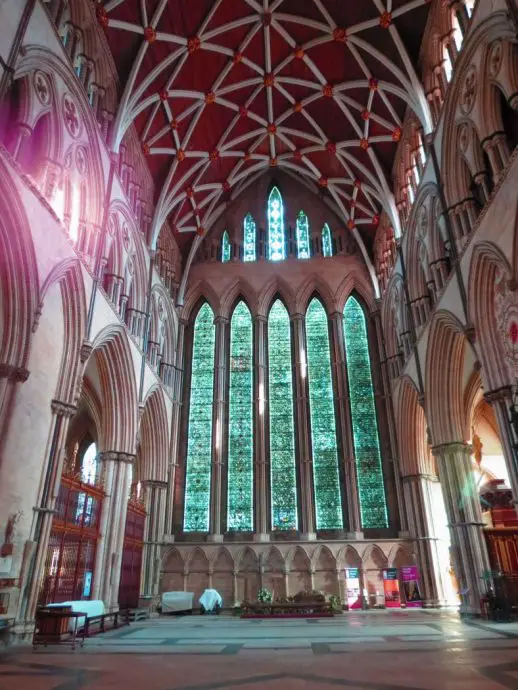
249, 244
303, 236
277, 244
225, 248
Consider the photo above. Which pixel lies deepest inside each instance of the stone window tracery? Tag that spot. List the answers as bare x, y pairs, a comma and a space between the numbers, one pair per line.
371, 487
303, 245
276, 233
249, 239
327, 241
226, 249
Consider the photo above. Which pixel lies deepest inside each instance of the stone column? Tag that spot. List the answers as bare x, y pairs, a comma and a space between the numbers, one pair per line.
155, 502
302, 430
469, 552
500, 400
36, 547
220, 410
177, 395
116, 474
417, 493
344, 426
10, 377
261, 477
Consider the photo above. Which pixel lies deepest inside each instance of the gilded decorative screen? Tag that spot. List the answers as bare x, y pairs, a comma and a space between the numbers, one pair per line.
199, 439
371, 487
240, 513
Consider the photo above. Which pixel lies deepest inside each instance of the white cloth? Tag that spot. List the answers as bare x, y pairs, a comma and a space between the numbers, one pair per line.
210, 599
177, 601
91, 608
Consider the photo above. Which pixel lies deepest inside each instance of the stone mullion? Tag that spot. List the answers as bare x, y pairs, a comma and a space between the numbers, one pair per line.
418, 499
220, 404
175, 426
261, 483
470, 558
302, 429
117, 471
344, 427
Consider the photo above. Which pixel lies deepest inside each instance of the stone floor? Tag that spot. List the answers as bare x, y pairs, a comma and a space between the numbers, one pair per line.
371, 650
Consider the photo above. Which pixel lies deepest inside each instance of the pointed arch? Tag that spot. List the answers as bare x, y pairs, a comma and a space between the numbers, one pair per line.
371, 485
199, 292
249, 239
275, 288
112, 356
314, 284
444, 388
276, 231
239, 289
240, 493
226, 248
327, 241
198, 471
303, 237
326, 476
414, 456
283, 480
153, 453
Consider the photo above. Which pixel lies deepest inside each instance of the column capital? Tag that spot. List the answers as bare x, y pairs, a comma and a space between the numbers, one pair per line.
336, 316
115, 456
297, 317
63, 409
154, 483
259, 318
451, 448
86, 350
221, 320
12, 373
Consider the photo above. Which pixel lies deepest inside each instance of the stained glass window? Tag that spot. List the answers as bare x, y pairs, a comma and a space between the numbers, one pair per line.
327, 241
240, 432
276, 239
199, 439
249, 237
303, 249
326, 478
371, 487
225, 248
282, 431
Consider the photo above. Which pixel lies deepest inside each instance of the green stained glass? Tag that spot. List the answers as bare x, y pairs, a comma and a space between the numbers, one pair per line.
303, 249
276, 238
327, 241
282, 430
225, 248
371, 487
326, 478
249, 244
240, 432
199, 440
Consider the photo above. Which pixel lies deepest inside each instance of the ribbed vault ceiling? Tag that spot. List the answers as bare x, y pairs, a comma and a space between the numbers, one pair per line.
221, 90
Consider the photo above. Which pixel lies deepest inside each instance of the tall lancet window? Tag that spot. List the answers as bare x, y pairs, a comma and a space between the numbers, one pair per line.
303, 248
326, 478
276, 238
249, 239
327, 241
240, 415
371, 486
282, 429
225, 248
199, 438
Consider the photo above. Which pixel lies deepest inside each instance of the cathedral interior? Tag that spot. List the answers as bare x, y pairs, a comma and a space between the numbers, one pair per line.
258, 300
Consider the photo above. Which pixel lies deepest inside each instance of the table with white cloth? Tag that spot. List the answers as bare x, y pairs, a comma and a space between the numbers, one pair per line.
174, 602
210, 599
90, 608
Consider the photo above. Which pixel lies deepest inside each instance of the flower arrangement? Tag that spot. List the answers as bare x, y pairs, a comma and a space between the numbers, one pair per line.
264, 596
335, 602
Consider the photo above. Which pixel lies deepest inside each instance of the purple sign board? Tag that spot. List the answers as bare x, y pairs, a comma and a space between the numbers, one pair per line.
410, 580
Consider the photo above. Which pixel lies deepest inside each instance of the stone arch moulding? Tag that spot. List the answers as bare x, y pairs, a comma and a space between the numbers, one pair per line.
315, 285
201, 291
154, 437
355, 282
276, 287
414, 457
112, 353
444, 388
493, 309
38, 58
239, 290
69, 275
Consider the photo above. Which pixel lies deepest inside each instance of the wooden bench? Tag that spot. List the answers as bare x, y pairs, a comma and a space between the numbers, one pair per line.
296, 609
52, 626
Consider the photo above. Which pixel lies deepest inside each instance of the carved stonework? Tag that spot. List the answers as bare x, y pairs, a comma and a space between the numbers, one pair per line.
495, 58
71, 116
15, 374
469, 91
506, 311
463, 137
81, 161
125, 236
42, 87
